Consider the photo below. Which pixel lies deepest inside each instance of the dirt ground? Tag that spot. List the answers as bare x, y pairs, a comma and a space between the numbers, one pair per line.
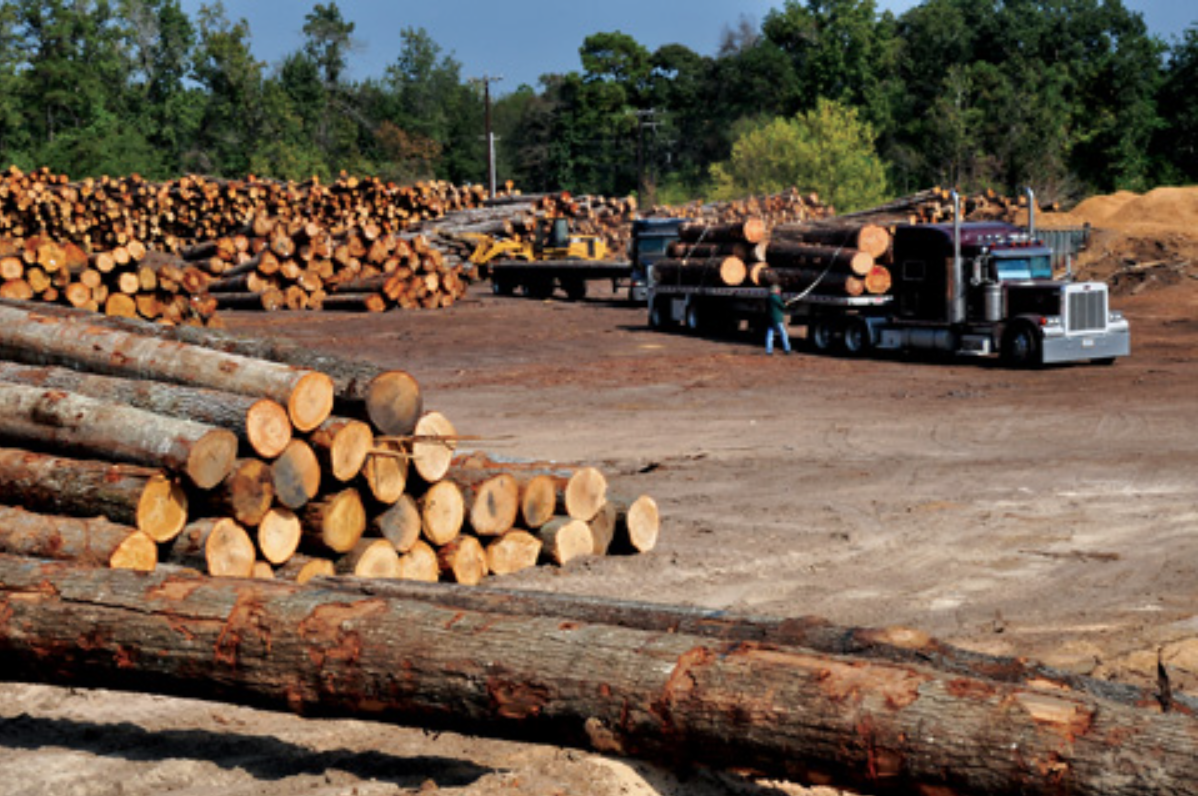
1051, 514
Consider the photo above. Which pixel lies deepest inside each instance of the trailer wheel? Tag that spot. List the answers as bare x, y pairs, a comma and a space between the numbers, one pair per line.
501, 287
576, 289
541, 288
858, 338
821, 336
1021, 347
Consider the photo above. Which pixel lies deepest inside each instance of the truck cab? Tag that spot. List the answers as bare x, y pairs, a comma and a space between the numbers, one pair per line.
988, 288
650, 239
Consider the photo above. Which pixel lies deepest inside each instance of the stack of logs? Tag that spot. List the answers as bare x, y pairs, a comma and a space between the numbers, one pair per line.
245, 457
830, 258
276, 264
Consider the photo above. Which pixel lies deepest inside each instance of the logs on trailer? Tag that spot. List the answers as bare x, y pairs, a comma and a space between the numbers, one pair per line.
677, 699
723, 271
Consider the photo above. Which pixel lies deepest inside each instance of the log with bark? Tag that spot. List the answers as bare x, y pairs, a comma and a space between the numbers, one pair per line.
146, 499
86, 542
44, 339
673, 698
721, 271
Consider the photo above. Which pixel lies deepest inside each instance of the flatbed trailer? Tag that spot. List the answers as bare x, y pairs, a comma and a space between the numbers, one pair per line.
540, 278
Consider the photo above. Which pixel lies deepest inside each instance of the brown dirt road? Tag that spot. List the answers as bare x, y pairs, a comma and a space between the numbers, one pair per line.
1051, 514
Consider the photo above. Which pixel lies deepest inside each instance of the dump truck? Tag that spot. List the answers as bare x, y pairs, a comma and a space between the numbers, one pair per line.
972, 289
556, 258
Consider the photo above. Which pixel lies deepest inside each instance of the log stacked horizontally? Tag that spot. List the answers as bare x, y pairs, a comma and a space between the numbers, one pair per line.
247, 458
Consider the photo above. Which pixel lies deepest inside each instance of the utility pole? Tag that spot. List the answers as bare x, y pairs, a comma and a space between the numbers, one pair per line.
487, 80
642, 189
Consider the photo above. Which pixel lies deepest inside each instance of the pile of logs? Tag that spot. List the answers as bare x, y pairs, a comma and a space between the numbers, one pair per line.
127, 443
833, 258
717, 255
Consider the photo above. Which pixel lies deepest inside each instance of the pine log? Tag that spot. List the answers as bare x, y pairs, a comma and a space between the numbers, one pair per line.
749, 230
515, 551
433, 446
335, 523
263, 571
215, 545
342, 446
296, 475
603, 528
88, 542
724, 271
278, 535
637, 525
302, 568
400, 524
261, 422
442, 512
492, 504
33, 338
784, 713
371, 558
143, 498
390, 399
873, 239
788, 254
246, 494
420, 563
585, 493
565, 539
463, 560
386, 471
802, 280
85, 426
539, 499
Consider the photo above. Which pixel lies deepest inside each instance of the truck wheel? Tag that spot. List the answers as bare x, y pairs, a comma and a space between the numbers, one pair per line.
539, 288
658, 316
858, 338
1021, 347
576, 289
822, 336
694, 319
501, 287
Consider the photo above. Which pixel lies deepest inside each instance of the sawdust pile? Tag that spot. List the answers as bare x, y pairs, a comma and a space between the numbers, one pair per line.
1139, 241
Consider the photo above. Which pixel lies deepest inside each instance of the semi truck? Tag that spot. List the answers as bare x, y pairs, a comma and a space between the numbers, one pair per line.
973, 289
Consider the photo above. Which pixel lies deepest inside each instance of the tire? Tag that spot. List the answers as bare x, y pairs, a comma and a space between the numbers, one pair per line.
1021, 347
693, 318
822, 336
576, 289
501, 287
858, 338
659, 317
539, 288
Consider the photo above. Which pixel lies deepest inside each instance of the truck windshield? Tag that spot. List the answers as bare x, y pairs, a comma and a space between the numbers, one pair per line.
1013, 269
652, 246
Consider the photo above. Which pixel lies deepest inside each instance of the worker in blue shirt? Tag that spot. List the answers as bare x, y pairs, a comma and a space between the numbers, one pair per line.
777, 325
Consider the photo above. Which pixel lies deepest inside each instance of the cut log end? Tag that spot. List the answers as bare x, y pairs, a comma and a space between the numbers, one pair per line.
516, 550
432, 452
267, 428
162, 508
138, 552
463, 561
640, 527
538, 499
420, 563
495, 505
371, 558
394, 403
296, 475
442, 512
211, 458
387, 475
586, 492
279, 535
311, 401
229, 551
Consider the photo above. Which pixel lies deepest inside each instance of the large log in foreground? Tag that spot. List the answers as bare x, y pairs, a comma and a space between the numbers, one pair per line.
673, 698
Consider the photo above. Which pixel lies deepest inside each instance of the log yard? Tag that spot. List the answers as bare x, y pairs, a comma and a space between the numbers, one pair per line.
301, 492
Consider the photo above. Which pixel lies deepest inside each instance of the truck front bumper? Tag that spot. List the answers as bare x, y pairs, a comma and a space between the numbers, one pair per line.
1114, 342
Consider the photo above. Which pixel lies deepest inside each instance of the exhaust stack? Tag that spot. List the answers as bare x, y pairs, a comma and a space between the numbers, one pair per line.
956, 276
1031, 211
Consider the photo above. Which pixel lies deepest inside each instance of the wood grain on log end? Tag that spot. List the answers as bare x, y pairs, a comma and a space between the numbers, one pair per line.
394, 402
267, 428
642, 524
463, 560
138, 552
296, 475
400, 524
211, 458
420, 563
565, 539
432, 452
337, 521
229, 551
586, 492
538, 499
162, 508
516, 550
494, 505
311, 401
371, 558
385, 474
279, 535
442, 512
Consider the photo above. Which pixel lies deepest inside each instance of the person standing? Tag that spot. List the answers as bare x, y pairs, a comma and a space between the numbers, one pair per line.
777, 321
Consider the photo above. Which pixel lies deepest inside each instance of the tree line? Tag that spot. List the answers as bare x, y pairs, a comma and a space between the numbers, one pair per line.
1070, 96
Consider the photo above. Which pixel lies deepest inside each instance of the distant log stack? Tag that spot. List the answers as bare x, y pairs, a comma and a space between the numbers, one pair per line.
202, 456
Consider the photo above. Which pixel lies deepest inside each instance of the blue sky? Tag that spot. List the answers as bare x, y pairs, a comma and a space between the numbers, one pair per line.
519, 40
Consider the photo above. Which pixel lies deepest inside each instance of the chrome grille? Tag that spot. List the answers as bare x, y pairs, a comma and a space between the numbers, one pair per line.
1087, 310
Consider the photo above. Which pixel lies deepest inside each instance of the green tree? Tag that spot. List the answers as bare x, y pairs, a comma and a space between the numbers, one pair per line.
828, 150
232, 80
1176, 144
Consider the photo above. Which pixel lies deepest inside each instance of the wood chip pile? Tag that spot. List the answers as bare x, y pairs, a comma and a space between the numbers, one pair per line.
126, 443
